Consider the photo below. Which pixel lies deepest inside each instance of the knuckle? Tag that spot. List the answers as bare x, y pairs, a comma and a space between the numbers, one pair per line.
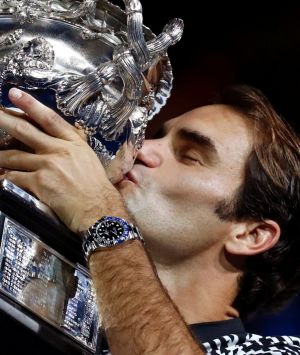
22, 126
9, 158
53, 118
51, 164
67, 152
27, 99
39, 177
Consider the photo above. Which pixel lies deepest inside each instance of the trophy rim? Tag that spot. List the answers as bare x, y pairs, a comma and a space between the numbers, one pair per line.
163, 86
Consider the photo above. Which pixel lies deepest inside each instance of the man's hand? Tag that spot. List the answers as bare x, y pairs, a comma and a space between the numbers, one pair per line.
63, 172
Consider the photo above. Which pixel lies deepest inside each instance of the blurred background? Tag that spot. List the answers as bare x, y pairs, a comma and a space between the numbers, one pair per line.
225, 43
229, 42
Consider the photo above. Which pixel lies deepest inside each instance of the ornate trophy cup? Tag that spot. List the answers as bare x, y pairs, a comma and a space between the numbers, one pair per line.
102, 70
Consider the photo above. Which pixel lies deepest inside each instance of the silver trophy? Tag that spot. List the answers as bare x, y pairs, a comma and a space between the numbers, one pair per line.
103, 71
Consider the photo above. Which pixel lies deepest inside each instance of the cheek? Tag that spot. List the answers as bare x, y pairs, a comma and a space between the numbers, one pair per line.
204, 190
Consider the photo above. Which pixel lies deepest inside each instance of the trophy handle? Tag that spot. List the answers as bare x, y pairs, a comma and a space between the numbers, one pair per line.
129, 63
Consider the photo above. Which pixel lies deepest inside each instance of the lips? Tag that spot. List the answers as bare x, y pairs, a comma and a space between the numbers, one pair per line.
127, 177
130, 176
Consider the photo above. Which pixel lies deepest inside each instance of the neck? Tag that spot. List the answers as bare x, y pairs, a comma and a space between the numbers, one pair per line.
202, 288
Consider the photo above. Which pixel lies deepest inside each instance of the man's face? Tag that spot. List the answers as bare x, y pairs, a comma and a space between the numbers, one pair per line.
179, 178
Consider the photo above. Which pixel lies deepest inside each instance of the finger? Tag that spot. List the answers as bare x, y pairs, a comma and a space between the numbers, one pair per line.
18, 113
15, 112
25, 132
46, 118
18, 160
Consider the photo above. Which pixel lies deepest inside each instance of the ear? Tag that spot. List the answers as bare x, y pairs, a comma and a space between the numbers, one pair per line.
251, 238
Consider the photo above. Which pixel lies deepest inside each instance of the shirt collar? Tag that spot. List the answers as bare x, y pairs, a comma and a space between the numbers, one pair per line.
208, 331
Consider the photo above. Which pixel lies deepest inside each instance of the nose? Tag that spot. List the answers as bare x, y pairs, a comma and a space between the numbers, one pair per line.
151, 153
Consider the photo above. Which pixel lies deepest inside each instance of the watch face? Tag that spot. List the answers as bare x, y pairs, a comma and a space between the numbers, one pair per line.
111, 231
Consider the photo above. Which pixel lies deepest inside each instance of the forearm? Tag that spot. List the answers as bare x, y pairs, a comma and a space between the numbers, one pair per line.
137, 313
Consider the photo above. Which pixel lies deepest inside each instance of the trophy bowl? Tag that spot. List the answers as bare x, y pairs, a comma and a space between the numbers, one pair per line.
94, 64
104, 72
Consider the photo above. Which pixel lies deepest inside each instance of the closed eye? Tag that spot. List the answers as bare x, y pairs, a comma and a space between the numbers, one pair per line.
191, 159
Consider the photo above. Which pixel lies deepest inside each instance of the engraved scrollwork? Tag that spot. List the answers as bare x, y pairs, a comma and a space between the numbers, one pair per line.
10, 38
29, 10
91, 98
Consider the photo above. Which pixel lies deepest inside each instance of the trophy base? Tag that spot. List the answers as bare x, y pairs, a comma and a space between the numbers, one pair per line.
45, 291
32, 335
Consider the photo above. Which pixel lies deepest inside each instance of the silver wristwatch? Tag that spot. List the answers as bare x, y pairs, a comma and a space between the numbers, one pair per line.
108, 232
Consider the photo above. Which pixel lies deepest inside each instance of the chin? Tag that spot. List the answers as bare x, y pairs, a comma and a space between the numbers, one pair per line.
135, 204
128, 190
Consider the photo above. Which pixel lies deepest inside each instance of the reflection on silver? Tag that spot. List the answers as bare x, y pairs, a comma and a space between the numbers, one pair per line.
28, 200
43, 281
102, 71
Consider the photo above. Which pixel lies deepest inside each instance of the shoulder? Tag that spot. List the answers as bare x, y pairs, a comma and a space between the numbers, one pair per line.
254, 344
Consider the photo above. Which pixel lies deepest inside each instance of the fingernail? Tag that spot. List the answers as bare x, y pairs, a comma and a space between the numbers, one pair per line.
15, 93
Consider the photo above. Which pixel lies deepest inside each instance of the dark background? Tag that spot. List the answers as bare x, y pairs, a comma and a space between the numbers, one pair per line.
225, 43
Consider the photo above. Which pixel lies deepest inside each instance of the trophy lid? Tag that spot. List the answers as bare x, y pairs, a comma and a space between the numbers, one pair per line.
93, 63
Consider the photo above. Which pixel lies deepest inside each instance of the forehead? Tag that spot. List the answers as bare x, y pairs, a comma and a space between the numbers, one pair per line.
229, 130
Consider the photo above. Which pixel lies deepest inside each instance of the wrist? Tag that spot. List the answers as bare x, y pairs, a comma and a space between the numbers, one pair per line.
107, 205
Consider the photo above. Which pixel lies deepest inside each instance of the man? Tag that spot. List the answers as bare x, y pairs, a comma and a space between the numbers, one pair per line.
216, 198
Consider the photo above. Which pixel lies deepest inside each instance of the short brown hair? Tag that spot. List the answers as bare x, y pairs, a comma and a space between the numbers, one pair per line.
271, 190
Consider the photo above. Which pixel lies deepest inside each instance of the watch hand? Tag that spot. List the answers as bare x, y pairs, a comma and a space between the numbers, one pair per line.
115, 233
